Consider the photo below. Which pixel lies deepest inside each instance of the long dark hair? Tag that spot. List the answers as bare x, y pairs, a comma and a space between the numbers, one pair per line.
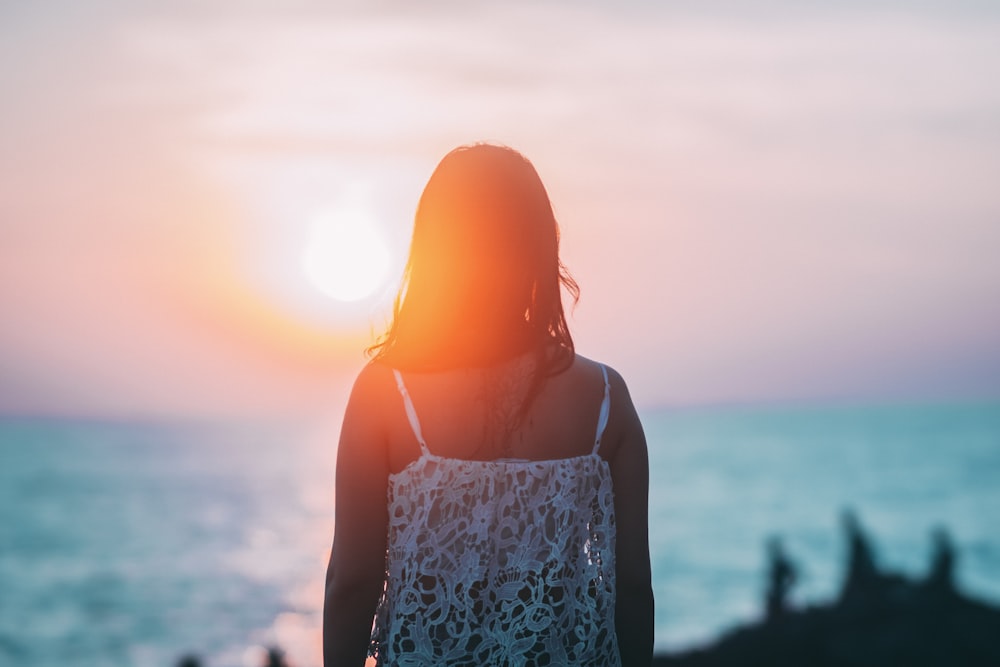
483, 280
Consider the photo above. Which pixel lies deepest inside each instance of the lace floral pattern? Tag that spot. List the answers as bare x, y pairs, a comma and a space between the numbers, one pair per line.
499, 563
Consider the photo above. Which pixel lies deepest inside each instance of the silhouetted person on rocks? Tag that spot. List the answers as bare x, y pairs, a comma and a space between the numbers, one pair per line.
941, 578
781, 576
275, 658
862, 574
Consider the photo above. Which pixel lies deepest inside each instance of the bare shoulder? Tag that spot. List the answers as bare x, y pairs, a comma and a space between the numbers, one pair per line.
623, 420
619, 389
369, 394
372, 382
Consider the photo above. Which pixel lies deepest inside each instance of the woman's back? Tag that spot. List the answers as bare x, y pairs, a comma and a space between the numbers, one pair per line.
476, 413
497, 559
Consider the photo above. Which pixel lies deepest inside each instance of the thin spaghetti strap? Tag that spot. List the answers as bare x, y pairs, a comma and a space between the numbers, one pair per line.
602, 421
411, 412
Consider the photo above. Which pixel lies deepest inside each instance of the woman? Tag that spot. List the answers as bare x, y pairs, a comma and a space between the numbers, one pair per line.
491, 489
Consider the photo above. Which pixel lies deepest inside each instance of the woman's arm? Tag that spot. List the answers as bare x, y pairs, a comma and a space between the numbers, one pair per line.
630, 478
354, 577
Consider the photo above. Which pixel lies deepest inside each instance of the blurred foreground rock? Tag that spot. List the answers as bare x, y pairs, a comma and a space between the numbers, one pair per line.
880, 618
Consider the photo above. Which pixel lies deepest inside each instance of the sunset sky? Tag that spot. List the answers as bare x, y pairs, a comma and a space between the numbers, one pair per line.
761, 201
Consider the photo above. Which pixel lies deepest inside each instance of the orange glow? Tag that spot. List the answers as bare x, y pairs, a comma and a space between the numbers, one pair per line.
223, 303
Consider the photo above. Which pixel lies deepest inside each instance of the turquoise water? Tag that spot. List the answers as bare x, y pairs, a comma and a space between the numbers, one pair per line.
130, 544
725, 479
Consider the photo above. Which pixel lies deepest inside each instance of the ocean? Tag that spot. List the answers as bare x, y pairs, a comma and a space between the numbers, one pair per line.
137, 543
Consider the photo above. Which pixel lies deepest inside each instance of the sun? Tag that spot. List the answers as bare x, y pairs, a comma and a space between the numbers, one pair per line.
344, 256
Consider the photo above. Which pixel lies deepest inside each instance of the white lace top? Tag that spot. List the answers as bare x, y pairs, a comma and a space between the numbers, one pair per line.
505, 562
